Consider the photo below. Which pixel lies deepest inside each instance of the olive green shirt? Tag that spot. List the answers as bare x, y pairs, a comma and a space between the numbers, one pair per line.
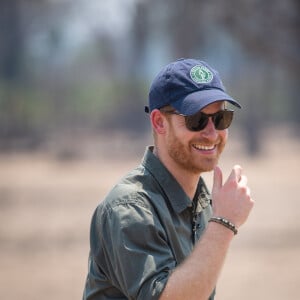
142, 230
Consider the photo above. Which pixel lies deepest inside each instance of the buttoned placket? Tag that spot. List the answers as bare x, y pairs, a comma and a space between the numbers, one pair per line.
198, 204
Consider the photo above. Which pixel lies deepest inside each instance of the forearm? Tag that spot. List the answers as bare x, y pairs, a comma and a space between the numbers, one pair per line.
197, 276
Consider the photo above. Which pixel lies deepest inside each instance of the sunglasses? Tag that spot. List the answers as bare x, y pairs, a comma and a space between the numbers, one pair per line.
221, 119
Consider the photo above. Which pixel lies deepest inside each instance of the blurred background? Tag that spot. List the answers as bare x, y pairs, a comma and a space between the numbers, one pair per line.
74, 79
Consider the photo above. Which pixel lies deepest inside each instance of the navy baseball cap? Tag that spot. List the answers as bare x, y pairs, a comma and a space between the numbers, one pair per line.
188, 85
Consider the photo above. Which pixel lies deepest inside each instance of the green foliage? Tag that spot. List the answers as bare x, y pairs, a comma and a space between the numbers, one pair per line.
31, 110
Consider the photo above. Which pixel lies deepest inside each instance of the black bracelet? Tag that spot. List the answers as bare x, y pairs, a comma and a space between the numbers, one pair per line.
225, 223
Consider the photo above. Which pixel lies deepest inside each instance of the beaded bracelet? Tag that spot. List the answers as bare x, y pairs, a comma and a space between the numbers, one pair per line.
225, 223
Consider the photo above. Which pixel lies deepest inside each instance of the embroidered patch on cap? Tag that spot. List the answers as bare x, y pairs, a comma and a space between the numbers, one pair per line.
201, 74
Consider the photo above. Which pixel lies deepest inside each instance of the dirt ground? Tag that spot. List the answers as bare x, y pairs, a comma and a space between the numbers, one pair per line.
46, 205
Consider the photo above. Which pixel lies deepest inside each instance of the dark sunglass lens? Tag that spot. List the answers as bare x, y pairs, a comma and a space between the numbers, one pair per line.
196, 122
223, 119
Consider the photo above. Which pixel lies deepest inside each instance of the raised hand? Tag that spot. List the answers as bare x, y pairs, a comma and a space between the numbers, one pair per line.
232, 199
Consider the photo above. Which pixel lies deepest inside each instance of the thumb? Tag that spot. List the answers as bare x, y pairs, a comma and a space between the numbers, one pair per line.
217, 180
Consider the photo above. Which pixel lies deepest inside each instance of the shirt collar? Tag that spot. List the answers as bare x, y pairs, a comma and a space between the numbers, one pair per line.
176, 195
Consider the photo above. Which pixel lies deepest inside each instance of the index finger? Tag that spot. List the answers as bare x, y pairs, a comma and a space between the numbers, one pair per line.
236, 173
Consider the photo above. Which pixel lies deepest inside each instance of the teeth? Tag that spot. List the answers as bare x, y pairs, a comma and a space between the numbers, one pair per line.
203, 147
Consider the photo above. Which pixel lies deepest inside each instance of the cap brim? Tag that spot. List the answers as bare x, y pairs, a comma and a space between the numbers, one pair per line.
196, 101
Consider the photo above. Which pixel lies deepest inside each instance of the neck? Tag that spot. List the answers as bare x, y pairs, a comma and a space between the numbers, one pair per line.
187, 180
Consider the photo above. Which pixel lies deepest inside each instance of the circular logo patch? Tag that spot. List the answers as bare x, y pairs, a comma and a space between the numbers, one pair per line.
201, 74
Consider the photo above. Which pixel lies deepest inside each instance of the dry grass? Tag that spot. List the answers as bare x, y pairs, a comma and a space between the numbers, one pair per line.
46, 205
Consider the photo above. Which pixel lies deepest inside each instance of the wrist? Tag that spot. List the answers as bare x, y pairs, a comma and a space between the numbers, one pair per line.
224, 222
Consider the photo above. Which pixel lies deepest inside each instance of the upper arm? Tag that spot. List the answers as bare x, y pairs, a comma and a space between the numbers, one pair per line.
135, 248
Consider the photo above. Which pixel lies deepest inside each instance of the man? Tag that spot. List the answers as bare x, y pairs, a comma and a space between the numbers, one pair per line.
158, 234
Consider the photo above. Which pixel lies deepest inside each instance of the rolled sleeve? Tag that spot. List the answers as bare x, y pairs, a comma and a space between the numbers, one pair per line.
138, 258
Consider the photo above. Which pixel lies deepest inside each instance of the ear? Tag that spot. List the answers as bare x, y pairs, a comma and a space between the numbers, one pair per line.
158, 121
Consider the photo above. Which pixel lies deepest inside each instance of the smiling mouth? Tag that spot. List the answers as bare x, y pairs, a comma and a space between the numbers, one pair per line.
204, 147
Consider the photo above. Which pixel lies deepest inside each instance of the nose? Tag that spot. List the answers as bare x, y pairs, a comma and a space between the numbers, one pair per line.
209, 131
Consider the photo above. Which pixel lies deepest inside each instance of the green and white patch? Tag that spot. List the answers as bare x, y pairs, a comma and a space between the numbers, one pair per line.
201, 74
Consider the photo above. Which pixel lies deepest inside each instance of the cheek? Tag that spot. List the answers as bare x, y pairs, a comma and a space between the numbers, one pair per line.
223, 136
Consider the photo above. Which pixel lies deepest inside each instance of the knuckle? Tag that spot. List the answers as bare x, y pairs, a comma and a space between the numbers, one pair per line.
233, 184
244, 189
237, 168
